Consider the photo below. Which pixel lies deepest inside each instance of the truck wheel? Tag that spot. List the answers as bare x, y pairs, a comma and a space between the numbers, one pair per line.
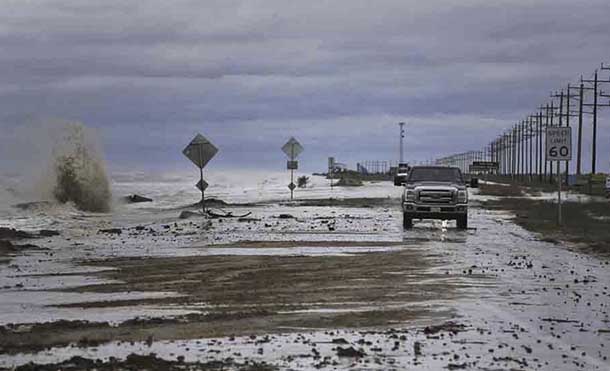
407, 223
462, 222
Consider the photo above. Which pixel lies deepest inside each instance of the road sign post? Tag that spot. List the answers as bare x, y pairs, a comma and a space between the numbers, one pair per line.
331, 166
558, 148
200, 151
292, 149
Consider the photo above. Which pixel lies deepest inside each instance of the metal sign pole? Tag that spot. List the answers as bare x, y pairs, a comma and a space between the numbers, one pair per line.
291, 181
331, 165
292, 172
558, 148
201, 180
558, 194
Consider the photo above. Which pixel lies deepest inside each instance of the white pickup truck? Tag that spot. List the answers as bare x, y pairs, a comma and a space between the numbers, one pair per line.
435, 192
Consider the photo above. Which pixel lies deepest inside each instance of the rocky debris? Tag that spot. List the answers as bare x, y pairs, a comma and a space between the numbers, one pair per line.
457, 366
6, 247
116, 231
417, 348
134, 199
445, 327
188, 214
350, 352
210, 202
340, 341
14, 234
559, 320
285, 216
11, 233
522, 363
226, 214
48, 233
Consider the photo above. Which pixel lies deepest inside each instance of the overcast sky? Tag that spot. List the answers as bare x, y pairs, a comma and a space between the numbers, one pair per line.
337, 75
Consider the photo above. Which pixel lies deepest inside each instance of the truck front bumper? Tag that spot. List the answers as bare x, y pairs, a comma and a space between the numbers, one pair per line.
426, 211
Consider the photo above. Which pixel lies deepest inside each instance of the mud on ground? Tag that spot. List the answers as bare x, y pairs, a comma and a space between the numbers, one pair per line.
243, 295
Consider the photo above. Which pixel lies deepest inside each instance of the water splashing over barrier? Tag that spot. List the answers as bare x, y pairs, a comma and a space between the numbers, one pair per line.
79, 171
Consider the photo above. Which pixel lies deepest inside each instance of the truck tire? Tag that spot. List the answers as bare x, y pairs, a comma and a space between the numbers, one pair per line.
462, 222
407, 222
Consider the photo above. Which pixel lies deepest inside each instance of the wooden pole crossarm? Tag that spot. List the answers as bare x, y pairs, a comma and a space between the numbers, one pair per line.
596, 105
598, 81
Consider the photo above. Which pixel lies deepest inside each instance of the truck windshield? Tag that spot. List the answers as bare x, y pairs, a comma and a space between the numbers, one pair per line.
436, 174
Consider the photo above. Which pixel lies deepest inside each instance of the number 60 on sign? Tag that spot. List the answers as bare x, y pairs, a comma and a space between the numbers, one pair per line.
559, 143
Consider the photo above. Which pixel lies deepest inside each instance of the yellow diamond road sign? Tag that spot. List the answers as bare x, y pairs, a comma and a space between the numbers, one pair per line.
202, 185
292, 148
200, 151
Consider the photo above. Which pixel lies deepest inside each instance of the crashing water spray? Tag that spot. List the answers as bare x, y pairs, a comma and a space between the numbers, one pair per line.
80, 173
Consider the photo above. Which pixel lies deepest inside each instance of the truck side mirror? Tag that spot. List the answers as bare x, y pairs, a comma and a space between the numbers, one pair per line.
474, 182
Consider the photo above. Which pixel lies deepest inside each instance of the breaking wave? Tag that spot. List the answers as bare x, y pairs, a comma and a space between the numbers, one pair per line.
79, 171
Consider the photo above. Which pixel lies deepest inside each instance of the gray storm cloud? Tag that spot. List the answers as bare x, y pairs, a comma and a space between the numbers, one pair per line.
249, 74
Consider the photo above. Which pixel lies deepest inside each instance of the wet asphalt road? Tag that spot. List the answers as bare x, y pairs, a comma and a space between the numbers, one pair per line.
519, 303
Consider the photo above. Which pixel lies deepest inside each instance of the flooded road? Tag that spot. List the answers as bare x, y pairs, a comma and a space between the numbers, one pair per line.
303, 286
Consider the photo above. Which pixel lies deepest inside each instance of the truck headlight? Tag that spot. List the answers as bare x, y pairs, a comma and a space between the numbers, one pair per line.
462, 197
410, 195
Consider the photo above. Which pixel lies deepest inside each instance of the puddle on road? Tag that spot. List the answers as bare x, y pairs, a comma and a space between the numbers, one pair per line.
298, 250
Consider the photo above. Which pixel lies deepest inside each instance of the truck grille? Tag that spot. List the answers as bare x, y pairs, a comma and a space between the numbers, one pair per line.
436, 197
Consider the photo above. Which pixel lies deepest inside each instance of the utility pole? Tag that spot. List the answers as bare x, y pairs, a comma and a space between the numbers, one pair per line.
595, 106
539, 123
402, 137
543, 127
518, 151
521, 151
551, 117
594, 142
568, 125
580, 89
565, 102
531, 136
513, 152
560, 123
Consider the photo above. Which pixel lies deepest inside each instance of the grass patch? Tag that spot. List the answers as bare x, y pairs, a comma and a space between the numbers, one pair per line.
505, 190
584, 223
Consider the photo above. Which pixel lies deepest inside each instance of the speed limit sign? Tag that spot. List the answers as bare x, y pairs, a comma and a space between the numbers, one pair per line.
559, 143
